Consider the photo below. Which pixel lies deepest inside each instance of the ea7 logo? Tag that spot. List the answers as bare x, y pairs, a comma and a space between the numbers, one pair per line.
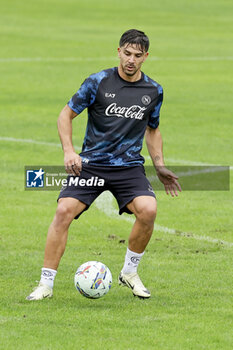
107, 94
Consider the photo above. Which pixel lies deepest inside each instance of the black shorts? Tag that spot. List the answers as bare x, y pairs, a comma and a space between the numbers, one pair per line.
125, 183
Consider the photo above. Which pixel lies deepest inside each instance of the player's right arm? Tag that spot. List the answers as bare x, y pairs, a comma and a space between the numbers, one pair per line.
82, 99
72, 161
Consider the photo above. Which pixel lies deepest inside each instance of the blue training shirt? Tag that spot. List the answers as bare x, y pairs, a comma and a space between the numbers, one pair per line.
118, 114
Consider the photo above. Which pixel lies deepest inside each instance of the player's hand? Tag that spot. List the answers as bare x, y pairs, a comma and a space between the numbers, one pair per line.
73, 163
169, 179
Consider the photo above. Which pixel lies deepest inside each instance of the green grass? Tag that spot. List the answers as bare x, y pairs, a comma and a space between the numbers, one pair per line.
190, 279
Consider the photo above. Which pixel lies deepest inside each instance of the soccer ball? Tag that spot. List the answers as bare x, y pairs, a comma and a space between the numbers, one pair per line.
93, 279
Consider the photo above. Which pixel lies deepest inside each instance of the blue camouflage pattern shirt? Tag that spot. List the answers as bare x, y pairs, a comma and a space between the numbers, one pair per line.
118, 115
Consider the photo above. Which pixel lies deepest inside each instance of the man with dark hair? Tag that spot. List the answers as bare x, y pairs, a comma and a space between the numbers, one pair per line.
123, 105
136, 37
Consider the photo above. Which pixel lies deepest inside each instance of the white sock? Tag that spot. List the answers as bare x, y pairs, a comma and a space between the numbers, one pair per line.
48, 276
132, 260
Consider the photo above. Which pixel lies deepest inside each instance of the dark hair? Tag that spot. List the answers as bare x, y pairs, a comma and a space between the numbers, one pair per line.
134, 36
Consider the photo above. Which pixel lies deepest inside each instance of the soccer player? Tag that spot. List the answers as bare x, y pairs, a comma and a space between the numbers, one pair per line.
123, 105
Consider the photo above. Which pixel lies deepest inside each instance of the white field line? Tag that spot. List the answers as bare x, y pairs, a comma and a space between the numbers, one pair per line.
110, 58
35, 142
213, 169
105, 203
53, 144
202, 171
55, 59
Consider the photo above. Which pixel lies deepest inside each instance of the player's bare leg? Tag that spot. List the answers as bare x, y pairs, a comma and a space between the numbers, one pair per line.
67, 209
144, 208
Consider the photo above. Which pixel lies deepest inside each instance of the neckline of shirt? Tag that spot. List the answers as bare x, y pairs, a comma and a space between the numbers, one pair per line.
130, 82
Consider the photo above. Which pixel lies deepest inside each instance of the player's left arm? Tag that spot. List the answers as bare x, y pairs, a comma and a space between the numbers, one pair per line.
154, 144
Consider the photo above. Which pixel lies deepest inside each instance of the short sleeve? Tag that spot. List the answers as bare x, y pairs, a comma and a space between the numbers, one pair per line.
154, 116
84, 97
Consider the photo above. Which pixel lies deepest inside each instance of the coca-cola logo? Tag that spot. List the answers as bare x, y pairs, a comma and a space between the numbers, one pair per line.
135, 111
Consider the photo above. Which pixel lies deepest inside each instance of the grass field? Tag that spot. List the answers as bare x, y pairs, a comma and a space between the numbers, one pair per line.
47, 50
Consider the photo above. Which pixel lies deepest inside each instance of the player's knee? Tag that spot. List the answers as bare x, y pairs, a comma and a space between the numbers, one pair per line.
147, 214
64, 213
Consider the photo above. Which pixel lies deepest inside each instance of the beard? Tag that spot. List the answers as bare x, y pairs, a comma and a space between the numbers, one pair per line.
130, 72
